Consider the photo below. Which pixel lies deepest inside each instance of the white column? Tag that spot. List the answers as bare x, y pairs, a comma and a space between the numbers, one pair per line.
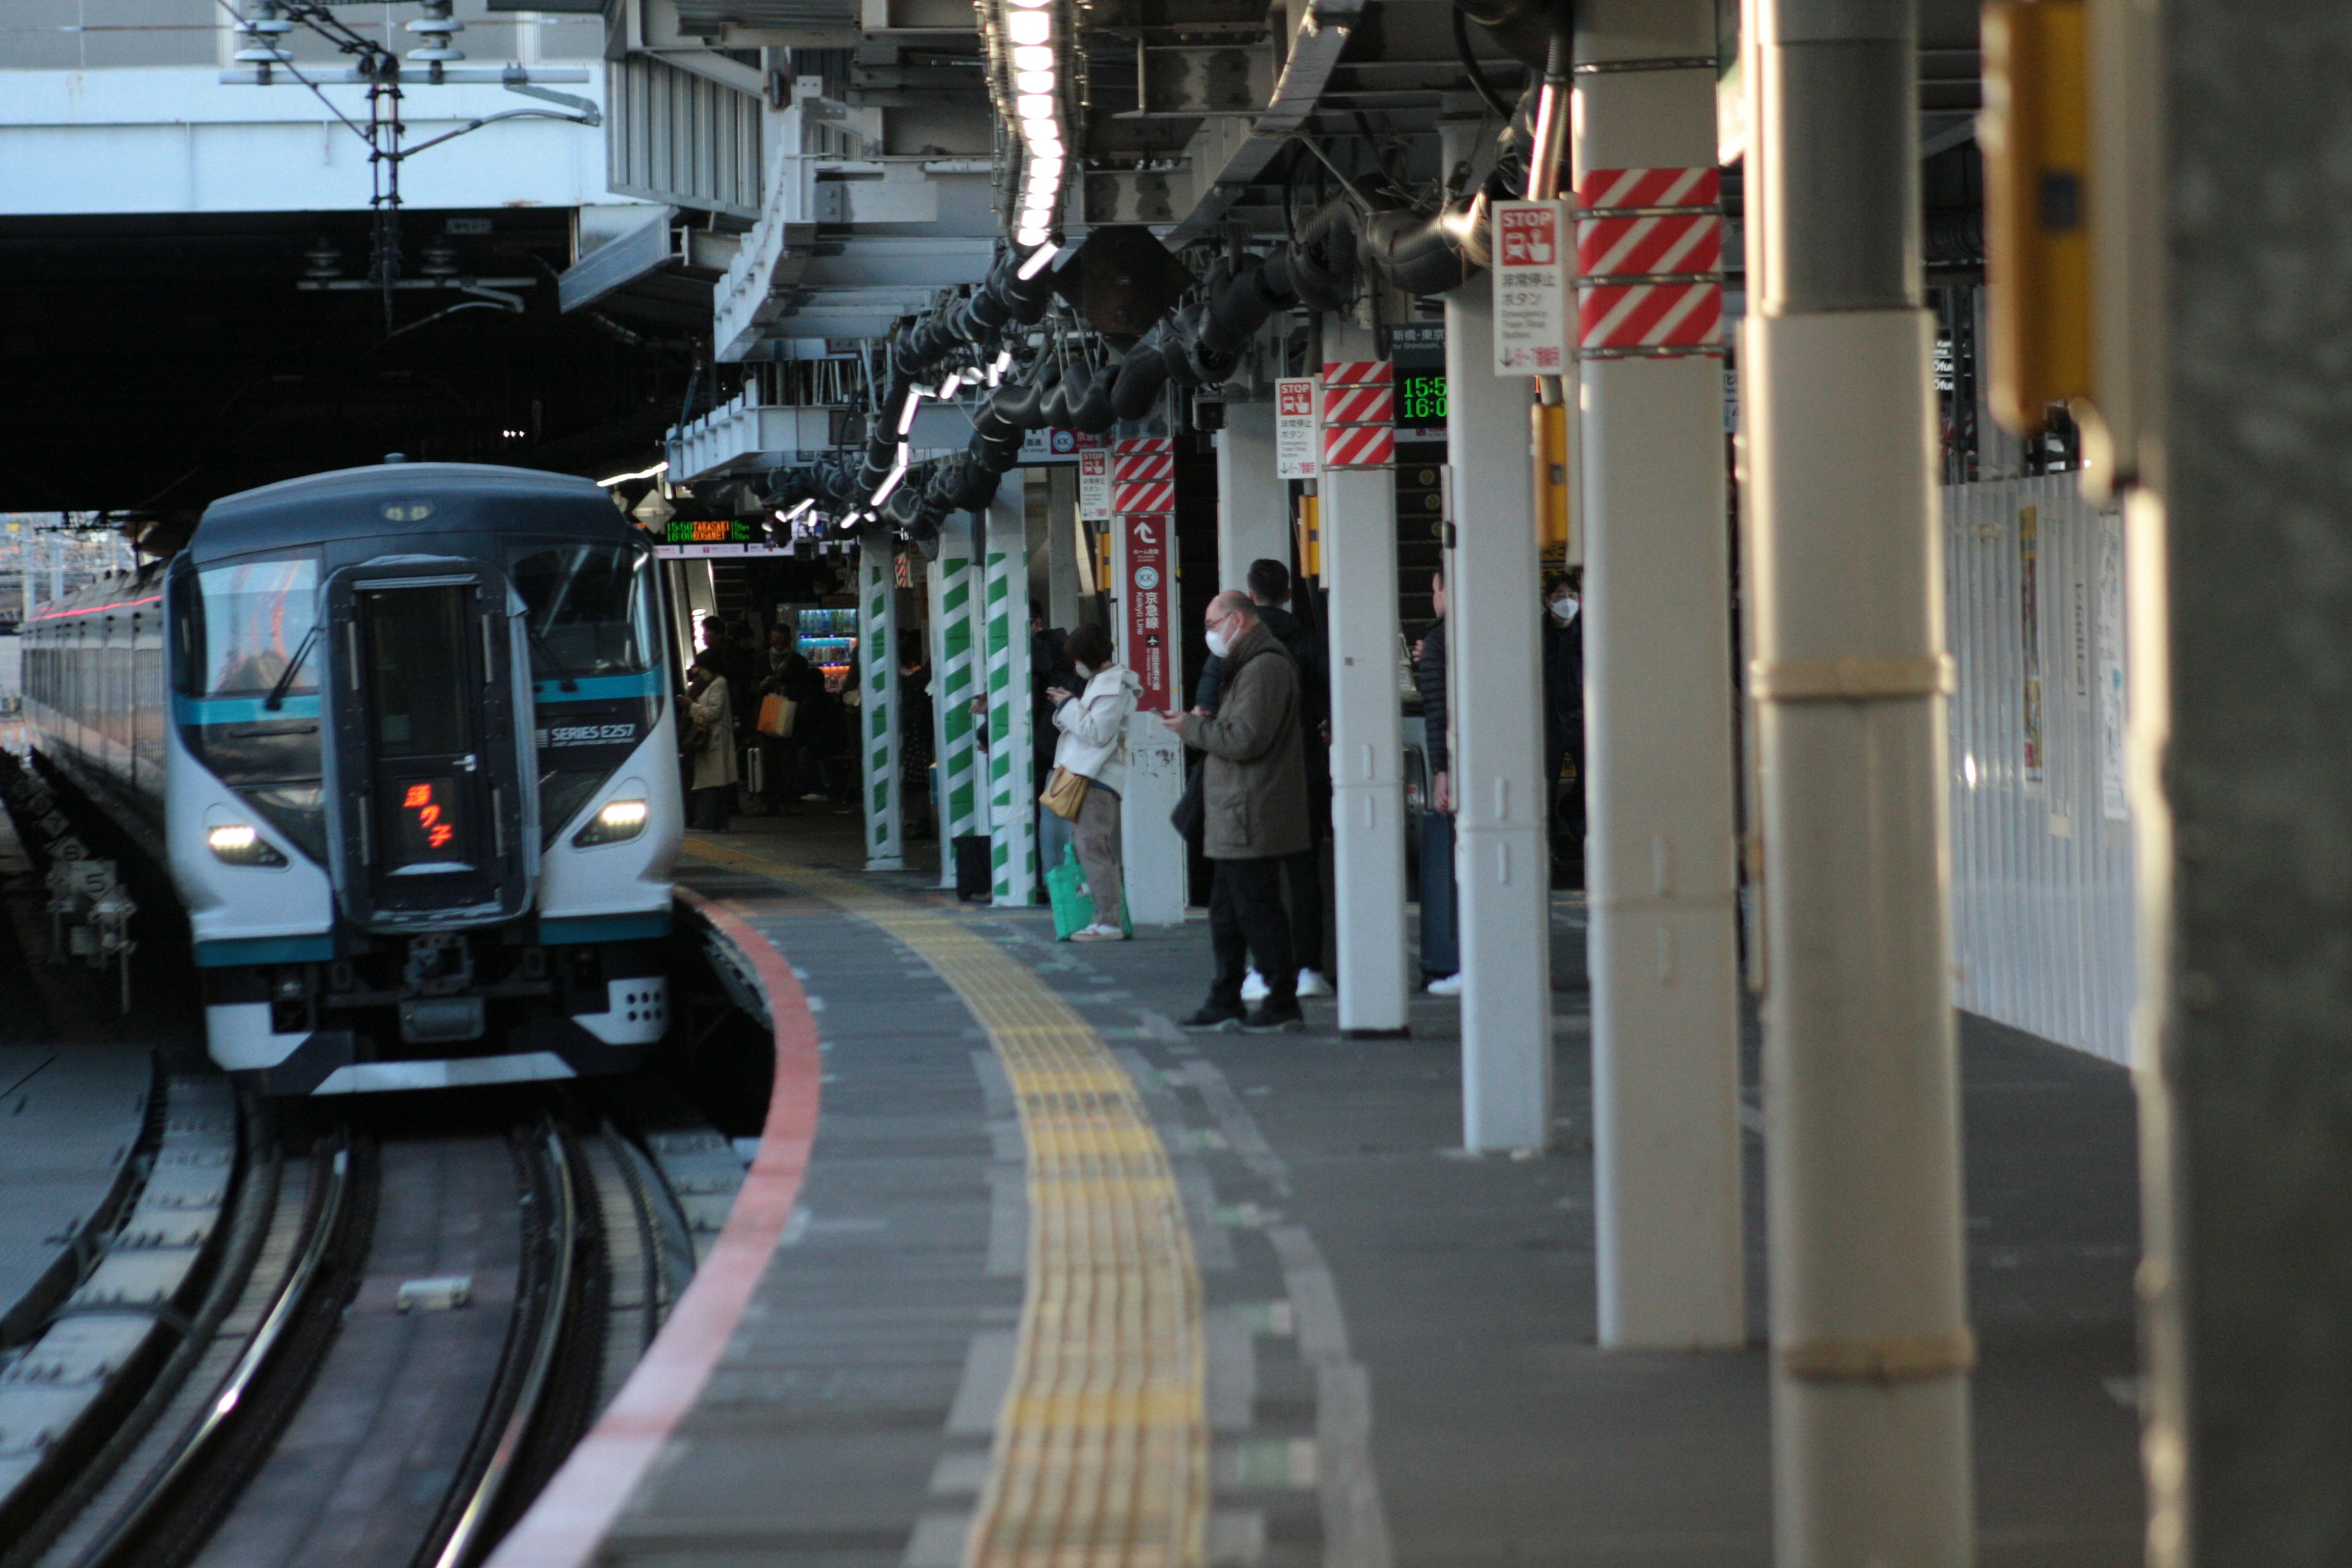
877, 715
1494, 662
1012, 796
1660, 862
1253, 501
1157, 862
1360, 570
1871, 1346
955, 681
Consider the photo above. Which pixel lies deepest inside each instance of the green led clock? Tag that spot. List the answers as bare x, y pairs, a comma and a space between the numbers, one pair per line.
1421, 398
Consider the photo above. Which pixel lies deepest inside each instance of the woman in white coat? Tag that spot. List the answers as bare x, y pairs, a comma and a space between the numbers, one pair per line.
712, 716
1093, 744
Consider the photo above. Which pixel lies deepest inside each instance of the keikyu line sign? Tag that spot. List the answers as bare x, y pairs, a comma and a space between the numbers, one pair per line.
1148, 601
1535, 295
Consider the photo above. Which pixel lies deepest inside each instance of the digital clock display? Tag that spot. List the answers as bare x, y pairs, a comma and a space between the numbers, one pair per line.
1421, 398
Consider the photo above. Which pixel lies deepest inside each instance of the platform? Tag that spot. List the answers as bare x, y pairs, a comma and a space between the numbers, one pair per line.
1273, 1314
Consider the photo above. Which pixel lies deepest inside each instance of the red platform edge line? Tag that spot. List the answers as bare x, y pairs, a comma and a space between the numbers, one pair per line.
575, 1511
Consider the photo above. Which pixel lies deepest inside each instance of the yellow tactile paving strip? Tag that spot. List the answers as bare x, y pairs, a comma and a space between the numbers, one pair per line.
1100, 1458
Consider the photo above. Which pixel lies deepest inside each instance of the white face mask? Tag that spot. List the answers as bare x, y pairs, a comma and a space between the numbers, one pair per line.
1565, 609
1220, 644
1086, 672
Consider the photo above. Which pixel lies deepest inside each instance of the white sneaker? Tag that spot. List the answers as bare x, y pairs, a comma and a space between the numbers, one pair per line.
1099, 932
1255, 988
1449, 986
1312, 984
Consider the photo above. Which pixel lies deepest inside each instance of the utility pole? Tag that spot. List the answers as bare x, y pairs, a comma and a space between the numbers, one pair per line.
1871, 1347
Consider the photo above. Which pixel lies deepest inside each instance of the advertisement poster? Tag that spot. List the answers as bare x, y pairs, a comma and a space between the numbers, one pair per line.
2113, 706
2028, 597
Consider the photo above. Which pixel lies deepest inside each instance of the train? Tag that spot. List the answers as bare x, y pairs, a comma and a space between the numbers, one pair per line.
403, 739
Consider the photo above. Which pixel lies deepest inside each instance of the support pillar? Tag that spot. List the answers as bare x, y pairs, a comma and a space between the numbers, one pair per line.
878, 712
1012, 793
1253, 499
1360, 570
2223, 393
1502, 864
955, 681
1062, 608
1146, 620
1660, 868
1871, 1347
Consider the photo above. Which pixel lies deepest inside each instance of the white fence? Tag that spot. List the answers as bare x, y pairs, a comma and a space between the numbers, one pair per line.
2042, 853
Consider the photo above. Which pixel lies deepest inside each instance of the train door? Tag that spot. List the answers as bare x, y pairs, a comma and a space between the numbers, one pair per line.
428, 782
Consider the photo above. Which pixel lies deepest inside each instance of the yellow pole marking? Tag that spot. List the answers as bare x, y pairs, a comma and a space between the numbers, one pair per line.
1101, 1453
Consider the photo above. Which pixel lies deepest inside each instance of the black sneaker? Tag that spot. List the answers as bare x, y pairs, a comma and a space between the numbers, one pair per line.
1264, 1020
1214, 1018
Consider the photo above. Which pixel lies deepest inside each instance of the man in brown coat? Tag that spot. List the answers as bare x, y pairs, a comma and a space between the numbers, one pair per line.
1255, 811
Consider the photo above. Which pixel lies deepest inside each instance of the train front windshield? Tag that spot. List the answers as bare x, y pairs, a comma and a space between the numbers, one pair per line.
590, 607
248, 664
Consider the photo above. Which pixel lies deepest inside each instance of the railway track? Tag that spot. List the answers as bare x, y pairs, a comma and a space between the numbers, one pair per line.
399, 1323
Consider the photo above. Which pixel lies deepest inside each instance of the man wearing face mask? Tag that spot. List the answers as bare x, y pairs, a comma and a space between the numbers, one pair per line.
1563, 671
1255, 811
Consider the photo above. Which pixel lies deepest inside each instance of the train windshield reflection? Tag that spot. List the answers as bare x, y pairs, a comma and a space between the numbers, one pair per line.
252, 619
591, 607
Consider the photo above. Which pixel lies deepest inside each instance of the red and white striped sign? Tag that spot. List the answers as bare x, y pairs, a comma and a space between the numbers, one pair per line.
1359, 413
1649, 261
1602, 189
1358, 446
1143, 475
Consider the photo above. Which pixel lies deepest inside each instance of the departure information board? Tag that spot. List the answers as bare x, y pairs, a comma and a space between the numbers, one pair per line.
1419, 399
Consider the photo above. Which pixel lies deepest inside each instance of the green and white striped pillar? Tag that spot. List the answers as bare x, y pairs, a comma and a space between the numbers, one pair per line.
1012, 798
877, 715
955, 681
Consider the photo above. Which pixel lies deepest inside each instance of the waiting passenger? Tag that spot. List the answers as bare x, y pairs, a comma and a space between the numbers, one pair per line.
710, 740
1441, 952
1093, 746
1254, 813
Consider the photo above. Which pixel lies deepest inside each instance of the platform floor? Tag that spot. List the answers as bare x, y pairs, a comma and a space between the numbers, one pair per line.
1359, 1347
70, 1114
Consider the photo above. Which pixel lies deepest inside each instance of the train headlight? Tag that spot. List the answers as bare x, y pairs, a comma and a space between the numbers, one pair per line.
240, 844
619, 820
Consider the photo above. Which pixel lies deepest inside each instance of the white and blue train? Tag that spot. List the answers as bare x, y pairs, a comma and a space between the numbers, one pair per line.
404, 737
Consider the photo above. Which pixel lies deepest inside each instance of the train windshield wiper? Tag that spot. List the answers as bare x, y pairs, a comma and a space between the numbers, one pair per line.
564, 680
277, 697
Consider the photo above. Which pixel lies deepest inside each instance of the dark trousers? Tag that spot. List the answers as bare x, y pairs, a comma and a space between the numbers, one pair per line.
710, 807
1441, 948
1304, 873
1246, 920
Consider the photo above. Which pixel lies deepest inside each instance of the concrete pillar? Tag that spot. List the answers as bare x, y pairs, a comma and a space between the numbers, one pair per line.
1871, 1347
955, 681
1360, 570
1501, 860
2233, 409
1062, 545
878, 712
1012, 793
1253, 501
1660, 865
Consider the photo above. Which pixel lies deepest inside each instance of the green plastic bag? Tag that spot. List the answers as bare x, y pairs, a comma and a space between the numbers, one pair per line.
1073, 909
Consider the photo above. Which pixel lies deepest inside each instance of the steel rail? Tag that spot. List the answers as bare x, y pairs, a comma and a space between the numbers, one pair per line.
259, 1351
468, 1534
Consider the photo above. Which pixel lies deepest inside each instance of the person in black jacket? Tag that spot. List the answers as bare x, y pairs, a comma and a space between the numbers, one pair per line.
1563, 695
1441, 957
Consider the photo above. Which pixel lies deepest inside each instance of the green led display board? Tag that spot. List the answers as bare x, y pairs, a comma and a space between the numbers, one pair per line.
1419, 398
718, 531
